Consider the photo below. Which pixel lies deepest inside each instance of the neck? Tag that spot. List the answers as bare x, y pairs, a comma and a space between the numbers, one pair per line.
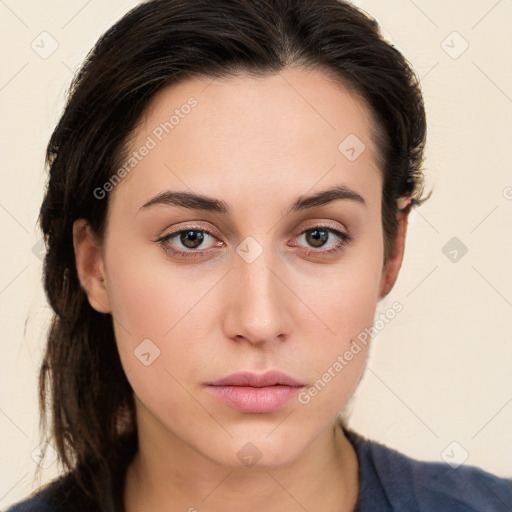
174, 476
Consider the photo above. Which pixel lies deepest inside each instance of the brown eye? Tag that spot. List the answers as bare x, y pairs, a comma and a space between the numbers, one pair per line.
323, 241
191, 239
322, 237
317, 237
188, 243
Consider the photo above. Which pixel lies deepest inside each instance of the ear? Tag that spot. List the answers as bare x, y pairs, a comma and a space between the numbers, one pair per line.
90, 266
394, 261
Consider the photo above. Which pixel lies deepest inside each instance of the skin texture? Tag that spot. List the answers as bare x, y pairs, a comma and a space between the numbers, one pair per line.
258, 144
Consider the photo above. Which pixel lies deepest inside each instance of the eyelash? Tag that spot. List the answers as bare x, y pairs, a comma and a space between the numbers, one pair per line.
345, 239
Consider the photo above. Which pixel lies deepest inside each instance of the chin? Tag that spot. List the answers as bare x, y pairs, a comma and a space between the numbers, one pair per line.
257, 451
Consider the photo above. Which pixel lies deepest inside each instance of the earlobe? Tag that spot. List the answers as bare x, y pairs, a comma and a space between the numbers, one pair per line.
394, 261
90, 265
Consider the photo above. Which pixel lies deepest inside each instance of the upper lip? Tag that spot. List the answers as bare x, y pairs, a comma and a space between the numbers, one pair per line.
255, 380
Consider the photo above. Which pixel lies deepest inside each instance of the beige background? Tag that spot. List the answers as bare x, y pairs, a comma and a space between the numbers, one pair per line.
441, 370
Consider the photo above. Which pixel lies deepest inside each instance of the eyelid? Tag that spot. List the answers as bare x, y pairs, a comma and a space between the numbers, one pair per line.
190, 226
316, 223
199, 226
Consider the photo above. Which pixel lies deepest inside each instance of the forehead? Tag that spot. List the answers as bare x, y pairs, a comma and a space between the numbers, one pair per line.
259, 106
214, 136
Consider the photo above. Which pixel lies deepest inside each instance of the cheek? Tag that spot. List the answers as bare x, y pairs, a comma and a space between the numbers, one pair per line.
148, 294
162, 320
345, 301
345, 295
145, 304
148, 310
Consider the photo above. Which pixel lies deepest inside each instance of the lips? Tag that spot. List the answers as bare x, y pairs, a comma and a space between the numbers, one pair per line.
255, 393
254, 380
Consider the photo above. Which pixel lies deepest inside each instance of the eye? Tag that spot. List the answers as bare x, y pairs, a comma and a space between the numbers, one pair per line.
191, 239
188, 243
194, 242
324, 240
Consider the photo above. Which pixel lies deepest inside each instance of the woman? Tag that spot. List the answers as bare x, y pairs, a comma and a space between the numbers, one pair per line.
230, 184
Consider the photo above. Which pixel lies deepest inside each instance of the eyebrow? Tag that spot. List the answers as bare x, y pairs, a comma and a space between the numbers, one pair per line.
201, 202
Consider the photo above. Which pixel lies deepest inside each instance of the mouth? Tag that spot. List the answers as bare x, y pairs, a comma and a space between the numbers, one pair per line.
256, 393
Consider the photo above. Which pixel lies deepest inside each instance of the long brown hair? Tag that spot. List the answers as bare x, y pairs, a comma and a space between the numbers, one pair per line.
157, 44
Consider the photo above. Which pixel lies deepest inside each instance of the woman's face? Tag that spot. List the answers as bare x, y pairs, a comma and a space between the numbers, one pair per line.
261, 278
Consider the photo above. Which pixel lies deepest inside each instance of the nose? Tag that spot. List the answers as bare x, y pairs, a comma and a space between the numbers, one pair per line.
258, 302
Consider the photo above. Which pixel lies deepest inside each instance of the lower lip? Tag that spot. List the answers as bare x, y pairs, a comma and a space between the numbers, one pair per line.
255, 400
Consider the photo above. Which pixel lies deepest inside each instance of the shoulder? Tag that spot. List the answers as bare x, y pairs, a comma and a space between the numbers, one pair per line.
403, 483
59, 495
